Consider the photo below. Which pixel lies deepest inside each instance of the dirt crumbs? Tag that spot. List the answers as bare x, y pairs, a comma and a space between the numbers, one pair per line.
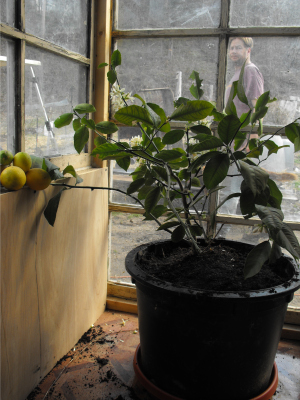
219, 267
85, 372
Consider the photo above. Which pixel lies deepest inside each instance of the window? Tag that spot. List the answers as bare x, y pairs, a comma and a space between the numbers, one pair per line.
161, 44
47, 62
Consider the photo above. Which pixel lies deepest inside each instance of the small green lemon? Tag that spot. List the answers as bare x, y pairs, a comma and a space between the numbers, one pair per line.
38, 179
5, 157
13, 178
22, 160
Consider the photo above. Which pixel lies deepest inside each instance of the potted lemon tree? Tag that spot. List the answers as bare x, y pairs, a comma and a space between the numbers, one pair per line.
229, 297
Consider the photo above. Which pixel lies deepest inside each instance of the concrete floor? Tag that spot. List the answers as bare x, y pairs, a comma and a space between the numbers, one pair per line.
100, 366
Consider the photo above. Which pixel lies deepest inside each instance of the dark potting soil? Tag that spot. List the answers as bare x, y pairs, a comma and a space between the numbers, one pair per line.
218, 268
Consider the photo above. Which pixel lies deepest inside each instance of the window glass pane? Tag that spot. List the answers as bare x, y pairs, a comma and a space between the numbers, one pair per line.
159, 65
7, 95
53, 86
63, 22
127, 232
7, 12
264, 13
145, 14
277, 60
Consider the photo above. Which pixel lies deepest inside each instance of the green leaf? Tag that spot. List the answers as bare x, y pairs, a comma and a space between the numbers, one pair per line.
201, 160
70, 170
240, 86
84, 108
89, 123
230, 108
161, 172
287, 239
275, 193
111, 76
193, 111
195, 182
140, 98
99, 140
255, 177
179, 164
144, 190
228, 127
152, 199
181, 100
52, 207
139, 172
116, 58
245, 119
207, 142
216, 170
135, 185
102, 65
108, 150
76, 124
106, 127
196, 230
258, 114
173, 136
256, 259
200, 129
168, 155
262, 101
157, 212
238, 155
292, 131
196, 91
168, 225
184, 175
63, 120
124, 163
178, 234
275, 253
80, 138
217, 115
266, 212
127, 115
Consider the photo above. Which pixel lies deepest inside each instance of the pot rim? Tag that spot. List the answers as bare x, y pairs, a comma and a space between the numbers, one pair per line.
138, 275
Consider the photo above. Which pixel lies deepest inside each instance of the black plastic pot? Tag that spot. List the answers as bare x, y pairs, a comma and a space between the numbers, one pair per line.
204, 344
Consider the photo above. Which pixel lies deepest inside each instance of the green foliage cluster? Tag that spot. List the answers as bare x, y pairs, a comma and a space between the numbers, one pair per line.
166, 175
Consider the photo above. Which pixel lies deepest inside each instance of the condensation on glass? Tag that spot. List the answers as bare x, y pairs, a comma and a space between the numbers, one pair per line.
63, 22
7, 12
7, 95
53, 86
264, 13
152, 14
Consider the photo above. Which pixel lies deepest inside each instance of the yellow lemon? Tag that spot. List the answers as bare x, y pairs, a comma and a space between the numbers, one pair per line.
37, 179
13, 178
23, 161
5, 157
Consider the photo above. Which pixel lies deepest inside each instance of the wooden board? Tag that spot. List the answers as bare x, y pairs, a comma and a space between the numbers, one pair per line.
53, 279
